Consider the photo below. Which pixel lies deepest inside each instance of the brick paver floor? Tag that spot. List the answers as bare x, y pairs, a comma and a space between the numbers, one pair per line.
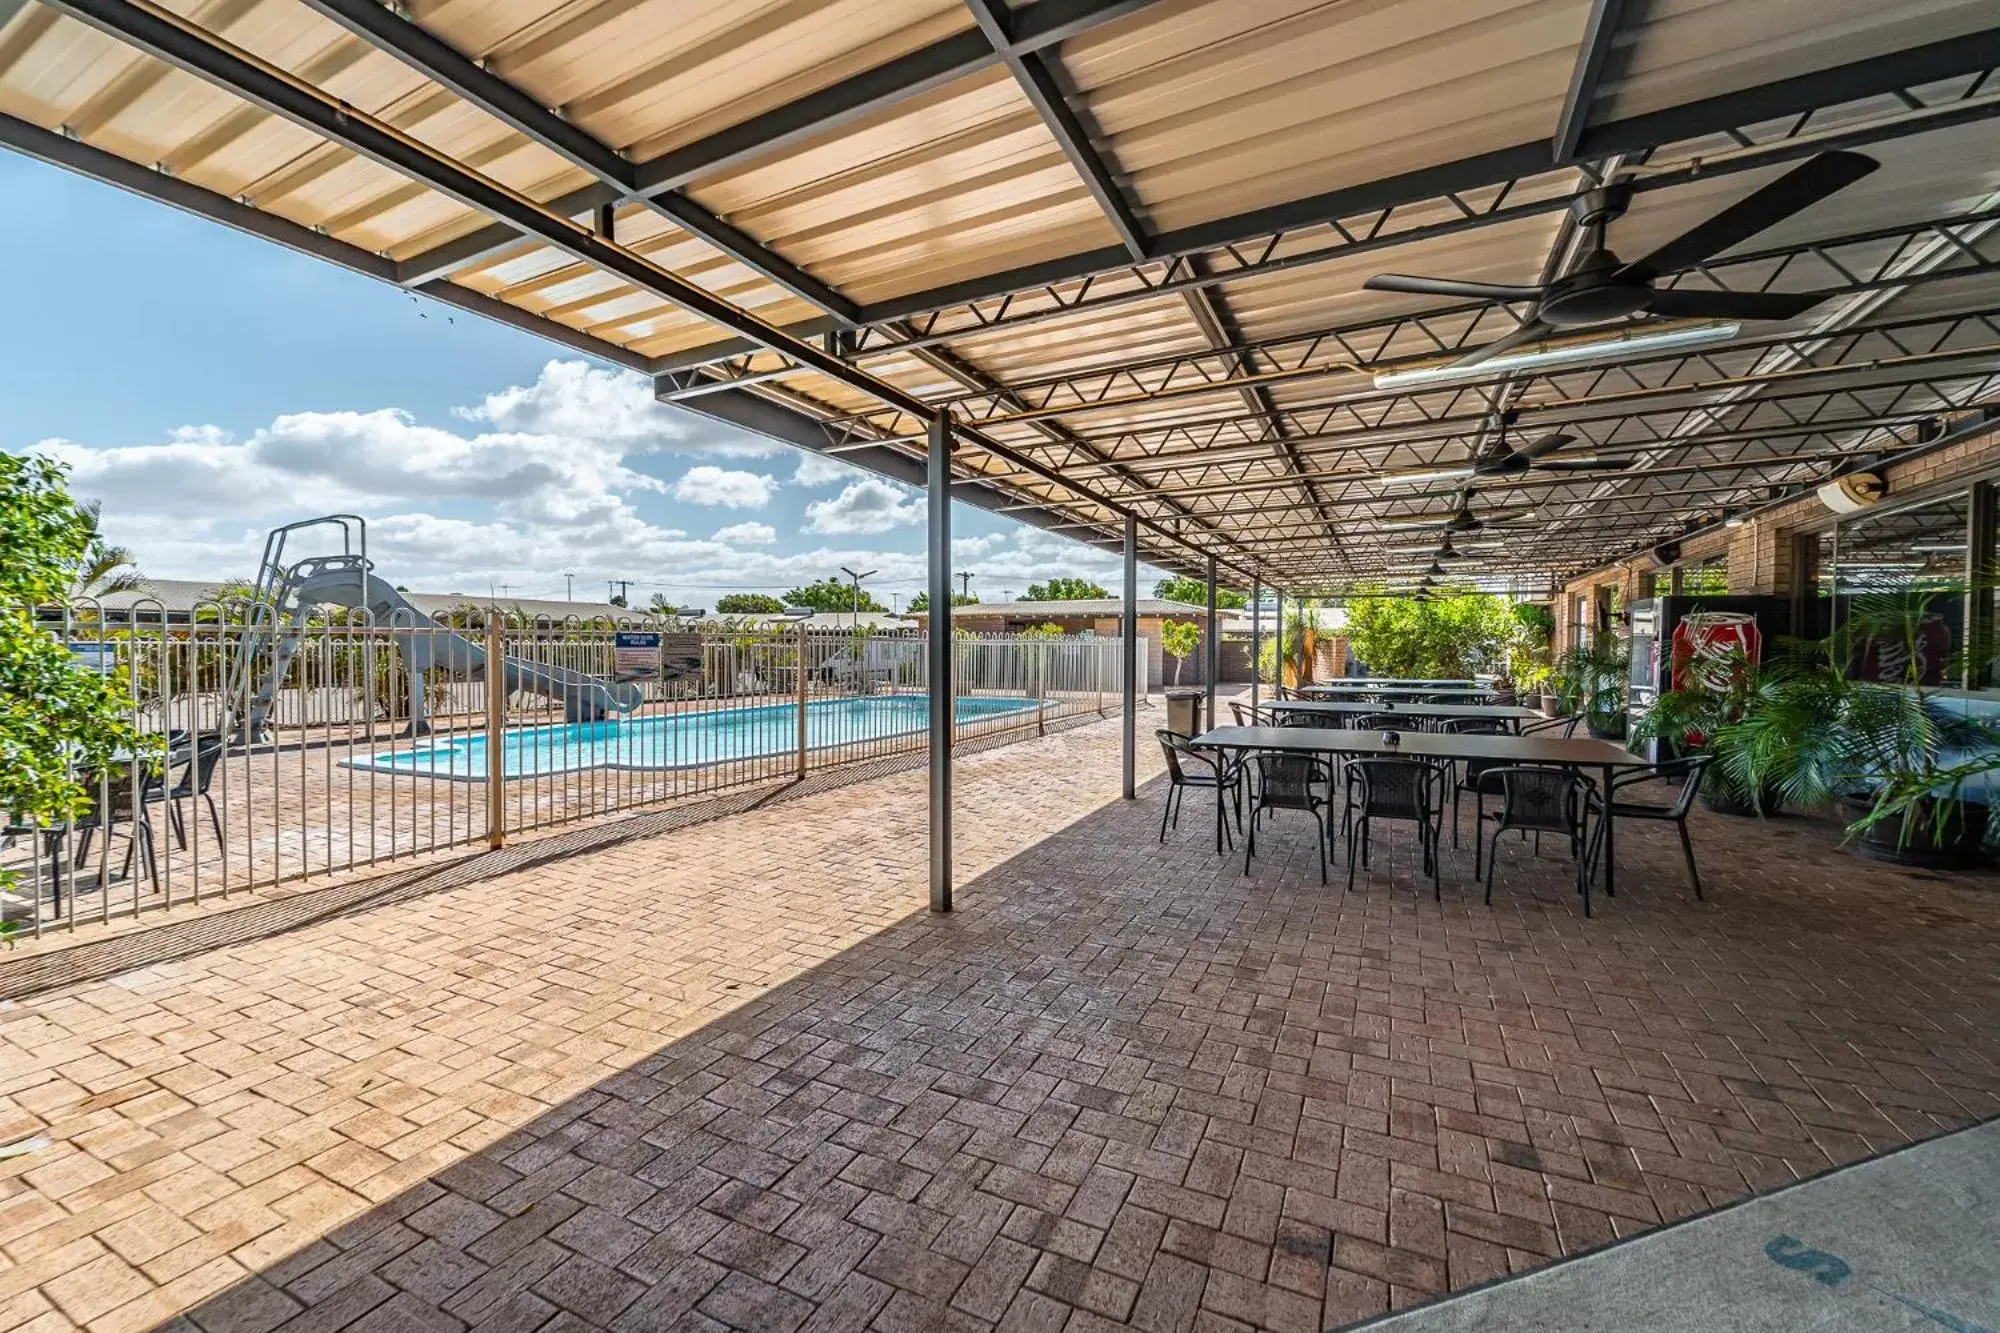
732, 1077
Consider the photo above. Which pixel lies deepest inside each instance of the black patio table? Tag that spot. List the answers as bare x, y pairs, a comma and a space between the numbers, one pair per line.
1579, 752
1513, 713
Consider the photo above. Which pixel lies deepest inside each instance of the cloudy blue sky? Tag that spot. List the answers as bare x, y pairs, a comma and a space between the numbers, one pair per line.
206, 386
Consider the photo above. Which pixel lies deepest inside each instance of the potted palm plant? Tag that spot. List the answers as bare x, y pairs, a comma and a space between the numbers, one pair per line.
1591, 678
1859, 719
1719, 687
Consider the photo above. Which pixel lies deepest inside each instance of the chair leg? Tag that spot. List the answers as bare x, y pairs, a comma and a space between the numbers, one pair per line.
1166, 810
1319, 826
1353, 848
1492, 851
144, 835
177, 823
1456, 790
214, 819
1250, 838
1430, 835
1687, 850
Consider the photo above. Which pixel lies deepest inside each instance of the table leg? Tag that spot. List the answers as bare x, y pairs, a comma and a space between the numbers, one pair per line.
1610, 832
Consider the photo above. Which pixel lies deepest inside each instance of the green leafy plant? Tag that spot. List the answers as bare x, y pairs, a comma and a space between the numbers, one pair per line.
748, 604
1194, 592
1859, 717
1453, 634
1064, 590
922, 601
832, 594
1043, 631
58, 721
1178, 640
1590, 678
1720, 686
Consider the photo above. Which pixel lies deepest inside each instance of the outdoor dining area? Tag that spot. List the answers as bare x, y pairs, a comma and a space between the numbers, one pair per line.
1417, 756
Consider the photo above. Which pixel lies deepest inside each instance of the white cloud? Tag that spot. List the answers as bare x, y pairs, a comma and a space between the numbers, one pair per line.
822, 470
711, 485
577, 400
747, 534
866, 506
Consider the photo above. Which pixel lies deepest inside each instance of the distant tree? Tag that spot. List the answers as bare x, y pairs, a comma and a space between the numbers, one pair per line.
1181, 588
748, 604
1178, 640
105, 568
619, 600
922, 601
832, 595
1064, 590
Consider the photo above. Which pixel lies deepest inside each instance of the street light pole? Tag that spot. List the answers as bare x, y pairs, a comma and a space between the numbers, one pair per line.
569, 587
965, 586
866, 574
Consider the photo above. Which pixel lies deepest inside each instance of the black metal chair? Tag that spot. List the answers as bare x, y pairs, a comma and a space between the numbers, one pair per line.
1383, 722
1189, 767
1538, 799
1289, 782
1253, 715
1399, 790
193, 784
1688, 771
111, 804
1469, 777
1555, 728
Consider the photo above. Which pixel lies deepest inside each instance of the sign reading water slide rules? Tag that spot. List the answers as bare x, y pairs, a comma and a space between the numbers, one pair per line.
636, 655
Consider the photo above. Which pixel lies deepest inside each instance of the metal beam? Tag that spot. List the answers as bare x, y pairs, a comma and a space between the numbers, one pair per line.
1036, 27
1599, 32
1039, 85
437, 60
938, 645
1260, 231
1128, 630
1211, 649
187, 46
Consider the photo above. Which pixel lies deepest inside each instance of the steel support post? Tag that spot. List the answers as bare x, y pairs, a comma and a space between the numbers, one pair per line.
496, 727
1256, 639
1128, 631
938, 650
804, 684
1278, 649
1212, 649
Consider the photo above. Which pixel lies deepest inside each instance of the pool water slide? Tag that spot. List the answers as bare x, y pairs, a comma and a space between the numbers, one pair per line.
286, 595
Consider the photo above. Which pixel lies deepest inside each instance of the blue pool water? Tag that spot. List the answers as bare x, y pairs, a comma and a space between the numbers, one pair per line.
684, 740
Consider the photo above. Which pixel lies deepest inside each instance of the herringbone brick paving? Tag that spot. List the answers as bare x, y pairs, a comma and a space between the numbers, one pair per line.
731, 1078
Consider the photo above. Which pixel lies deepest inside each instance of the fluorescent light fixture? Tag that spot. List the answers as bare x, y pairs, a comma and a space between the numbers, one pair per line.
1596, 349
1419, 476
1735, 520
1940, 548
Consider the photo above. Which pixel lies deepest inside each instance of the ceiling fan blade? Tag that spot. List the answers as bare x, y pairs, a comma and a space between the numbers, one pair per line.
1471, 291
1693, 303
1541, 448
1533, 331
1794, 192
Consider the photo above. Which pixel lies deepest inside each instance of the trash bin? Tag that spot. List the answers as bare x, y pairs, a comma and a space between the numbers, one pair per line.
1184, 711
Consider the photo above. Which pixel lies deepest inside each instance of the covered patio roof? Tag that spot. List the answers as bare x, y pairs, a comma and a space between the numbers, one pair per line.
1123, 244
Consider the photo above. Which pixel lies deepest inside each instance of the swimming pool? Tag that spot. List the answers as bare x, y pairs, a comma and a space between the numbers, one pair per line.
683, 740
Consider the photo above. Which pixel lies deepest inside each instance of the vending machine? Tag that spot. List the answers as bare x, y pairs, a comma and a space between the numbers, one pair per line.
1672, 636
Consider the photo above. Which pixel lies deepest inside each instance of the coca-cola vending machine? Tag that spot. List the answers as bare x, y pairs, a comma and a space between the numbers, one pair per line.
1673, 636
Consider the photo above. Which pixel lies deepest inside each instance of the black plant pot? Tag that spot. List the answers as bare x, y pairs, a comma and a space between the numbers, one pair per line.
1959, 848
1725, 798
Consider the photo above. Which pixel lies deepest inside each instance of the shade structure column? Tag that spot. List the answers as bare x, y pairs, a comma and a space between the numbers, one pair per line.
938, 650
1278, 648
1128, 630
1212, 648
1256, 638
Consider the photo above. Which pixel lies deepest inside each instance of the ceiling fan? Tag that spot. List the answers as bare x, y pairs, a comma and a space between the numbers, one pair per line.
1461, 519
1598, 287
1504, 460
1445, 549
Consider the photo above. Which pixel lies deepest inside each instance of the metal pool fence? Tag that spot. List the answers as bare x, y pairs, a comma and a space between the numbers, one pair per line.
296, 750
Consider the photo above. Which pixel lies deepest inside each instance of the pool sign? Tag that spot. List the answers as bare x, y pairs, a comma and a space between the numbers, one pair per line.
636, 654
95, 656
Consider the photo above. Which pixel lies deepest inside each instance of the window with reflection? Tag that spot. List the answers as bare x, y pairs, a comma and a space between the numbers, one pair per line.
1903, 550
1710, 578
